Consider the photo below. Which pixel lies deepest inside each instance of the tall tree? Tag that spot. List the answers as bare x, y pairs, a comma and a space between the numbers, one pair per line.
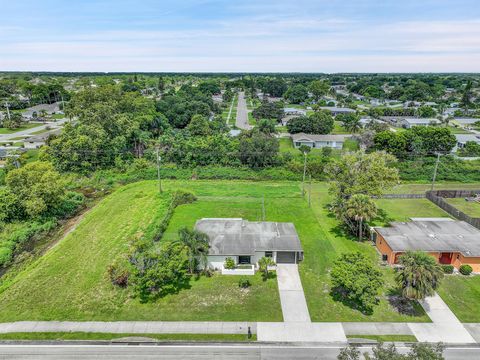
197, 245
360, 208
419, 275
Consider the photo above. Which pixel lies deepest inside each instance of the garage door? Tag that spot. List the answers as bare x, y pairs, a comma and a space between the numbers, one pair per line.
285, 257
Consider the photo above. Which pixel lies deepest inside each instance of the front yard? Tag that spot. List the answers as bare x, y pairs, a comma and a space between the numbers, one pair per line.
70, 281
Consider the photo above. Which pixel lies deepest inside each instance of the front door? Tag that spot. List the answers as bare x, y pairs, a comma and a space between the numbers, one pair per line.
445, 258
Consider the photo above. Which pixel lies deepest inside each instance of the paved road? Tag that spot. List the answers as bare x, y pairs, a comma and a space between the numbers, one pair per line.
197, 352
242, 112
28, 132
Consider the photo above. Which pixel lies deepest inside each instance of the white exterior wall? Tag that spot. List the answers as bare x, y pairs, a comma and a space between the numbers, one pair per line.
217, 261
258, 255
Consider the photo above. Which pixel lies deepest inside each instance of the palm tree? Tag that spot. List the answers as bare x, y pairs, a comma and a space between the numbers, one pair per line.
361, 208
197, 244
352, 123
263, 265
419, 276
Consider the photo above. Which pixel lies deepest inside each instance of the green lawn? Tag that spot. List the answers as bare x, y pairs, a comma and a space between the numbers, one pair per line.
462, 295
458, 130
23, 127
471, 208
339, 129
414, 188
112, 336
404, 209
323, 241
70, 281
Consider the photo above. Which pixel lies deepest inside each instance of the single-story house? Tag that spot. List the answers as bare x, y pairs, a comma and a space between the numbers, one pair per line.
246, 242
37, 141
449, 241
319, 141
49, 109
465, 121
462, 139
337, 110
409, 122
364, 121
294, 111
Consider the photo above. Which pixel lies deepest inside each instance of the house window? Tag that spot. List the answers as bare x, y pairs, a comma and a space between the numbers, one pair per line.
384, 257
298, 143
244, 259
269, 254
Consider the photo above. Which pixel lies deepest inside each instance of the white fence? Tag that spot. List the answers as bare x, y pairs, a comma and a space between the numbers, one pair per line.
239, 271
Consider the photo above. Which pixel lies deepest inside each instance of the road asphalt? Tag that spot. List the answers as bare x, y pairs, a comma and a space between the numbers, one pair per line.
242, 113
197, 352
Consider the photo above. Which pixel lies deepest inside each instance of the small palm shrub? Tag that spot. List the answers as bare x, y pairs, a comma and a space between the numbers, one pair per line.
244, 283
229, 263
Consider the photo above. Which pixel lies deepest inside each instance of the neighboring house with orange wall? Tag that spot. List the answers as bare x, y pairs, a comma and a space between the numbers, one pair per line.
449, 241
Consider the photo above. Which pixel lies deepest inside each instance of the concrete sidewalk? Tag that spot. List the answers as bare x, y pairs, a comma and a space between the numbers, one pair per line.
445, 326
132, 327
301, 332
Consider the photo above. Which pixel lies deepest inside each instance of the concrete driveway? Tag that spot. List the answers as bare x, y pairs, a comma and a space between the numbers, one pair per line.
292, 298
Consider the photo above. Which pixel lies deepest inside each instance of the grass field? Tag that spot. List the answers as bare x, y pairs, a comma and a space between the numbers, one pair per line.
462, 295
24, 127
471, 208
339, 129
70, 281
111, 336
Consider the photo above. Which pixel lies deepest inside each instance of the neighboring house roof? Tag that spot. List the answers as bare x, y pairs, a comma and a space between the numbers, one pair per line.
49, 108
235, 236
432, 235
336, 109
314, 137
464, 138
294, 111
466, 121
412, 120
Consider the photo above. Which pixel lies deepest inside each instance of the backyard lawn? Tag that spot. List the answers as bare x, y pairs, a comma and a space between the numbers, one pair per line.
471, 208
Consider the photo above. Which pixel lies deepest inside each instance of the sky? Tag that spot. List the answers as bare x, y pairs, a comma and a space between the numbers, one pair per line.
240, 35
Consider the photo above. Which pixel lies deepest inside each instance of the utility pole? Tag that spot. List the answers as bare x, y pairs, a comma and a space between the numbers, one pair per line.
8, 110
435, 171
158, 172
263, 208
310, 191
304, 171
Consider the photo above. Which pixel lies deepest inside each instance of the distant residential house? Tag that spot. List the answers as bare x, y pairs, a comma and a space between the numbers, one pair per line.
37, 141
337, 110
294, 111
408, 122
246, 242
234, 132
37, 109
462, 139
364, 121
319, 141
465, 121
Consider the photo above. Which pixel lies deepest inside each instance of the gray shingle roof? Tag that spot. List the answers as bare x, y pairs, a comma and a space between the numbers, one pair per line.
433, 236
241, 237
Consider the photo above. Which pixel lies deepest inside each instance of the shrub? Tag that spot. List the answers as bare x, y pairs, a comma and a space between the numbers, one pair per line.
229, 263
447, 269
465, 269
244, 283
118, 273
